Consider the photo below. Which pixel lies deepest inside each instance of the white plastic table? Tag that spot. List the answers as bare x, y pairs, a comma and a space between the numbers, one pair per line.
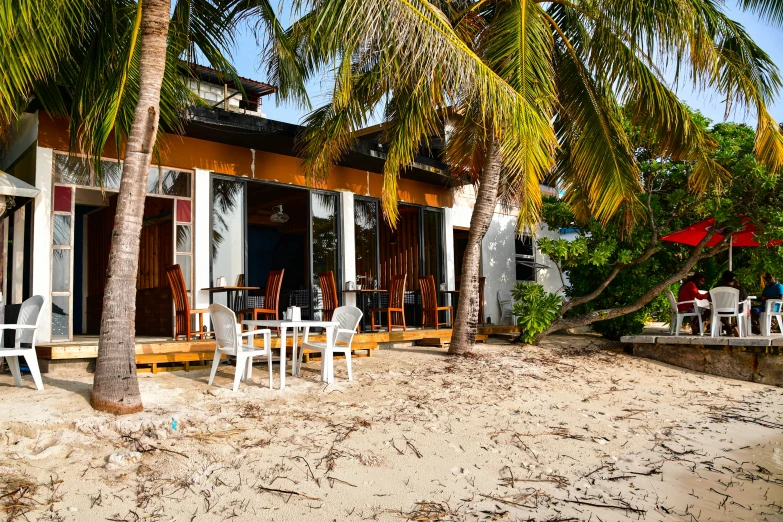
295, 326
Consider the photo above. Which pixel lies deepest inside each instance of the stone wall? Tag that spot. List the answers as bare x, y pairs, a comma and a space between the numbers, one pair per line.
722, 357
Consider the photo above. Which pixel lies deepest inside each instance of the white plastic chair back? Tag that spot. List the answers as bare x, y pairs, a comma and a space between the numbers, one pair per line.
672, 301
348, 318
225, 323
725, 300
29, 314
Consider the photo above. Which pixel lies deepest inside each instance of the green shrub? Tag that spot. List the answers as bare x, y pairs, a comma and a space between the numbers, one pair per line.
535, 309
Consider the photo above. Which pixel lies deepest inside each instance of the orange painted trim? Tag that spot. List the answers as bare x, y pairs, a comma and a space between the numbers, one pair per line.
189, 153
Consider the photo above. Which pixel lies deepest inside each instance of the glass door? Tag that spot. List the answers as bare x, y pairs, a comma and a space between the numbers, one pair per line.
229, 246
365, 215
62, 268
325, 253
432, 244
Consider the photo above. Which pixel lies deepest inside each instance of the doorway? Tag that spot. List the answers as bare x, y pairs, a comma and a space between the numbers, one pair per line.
93, 222
260, 226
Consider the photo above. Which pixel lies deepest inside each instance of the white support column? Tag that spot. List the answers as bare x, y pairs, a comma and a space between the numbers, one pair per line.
448, 226
17, 258
6, 259
201, 238
42, 240
349, 245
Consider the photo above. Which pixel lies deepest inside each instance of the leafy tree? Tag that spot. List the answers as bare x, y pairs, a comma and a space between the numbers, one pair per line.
523, 88
616, 277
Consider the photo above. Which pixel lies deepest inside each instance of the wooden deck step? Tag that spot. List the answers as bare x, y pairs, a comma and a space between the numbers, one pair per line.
174, 361
88, 349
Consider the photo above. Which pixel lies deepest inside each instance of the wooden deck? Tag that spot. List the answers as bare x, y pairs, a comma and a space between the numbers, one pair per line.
152, 352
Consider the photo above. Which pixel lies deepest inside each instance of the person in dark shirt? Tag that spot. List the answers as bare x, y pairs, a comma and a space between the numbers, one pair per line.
772, 290
689, 291
729, 280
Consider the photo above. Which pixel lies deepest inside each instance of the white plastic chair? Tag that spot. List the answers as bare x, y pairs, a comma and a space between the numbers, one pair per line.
506, 303
228, 341
726, 304
676, 324
348, 318
26, 325
772, 308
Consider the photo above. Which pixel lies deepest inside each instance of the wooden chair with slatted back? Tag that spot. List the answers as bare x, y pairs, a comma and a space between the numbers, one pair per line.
430, 311
182, 310
396, 303
329, 293
274, 282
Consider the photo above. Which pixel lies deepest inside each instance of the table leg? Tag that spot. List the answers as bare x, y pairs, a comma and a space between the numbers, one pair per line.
329, 355
282, 356
295, 349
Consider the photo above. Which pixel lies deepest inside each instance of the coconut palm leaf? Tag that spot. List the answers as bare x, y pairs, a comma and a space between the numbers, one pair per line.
96, 63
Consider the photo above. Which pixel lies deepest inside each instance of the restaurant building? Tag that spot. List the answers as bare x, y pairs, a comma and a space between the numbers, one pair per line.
229, 200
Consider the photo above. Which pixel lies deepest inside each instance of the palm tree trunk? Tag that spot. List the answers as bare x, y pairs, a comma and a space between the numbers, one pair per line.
115, 386
464, 335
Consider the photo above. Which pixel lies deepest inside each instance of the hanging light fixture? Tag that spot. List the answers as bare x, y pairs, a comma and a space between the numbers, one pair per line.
278, 216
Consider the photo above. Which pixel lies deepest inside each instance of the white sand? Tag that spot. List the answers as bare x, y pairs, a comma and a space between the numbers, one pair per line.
518, 433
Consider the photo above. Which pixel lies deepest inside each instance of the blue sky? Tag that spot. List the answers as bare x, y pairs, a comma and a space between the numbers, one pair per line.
768, 38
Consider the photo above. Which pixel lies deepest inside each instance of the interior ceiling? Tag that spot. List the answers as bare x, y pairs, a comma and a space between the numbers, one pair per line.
261, 197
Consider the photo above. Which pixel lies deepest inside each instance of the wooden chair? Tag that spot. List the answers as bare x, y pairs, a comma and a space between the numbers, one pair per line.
274, 282
182, 310
396, 303
430, 311
329, 293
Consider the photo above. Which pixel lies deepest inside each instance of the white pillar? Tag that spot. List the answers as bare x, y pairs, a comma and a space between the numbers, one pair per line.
6, 259
17, 257
42, 240
448, 230
349, 245
201, 238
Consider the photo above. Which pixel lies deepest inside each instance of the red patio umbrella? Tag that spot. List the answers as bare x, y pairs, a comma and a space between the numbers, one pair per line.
692, 235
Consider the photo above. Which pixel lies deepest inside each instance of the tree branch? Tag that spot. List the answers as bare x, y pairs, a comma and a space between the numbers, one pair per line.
697, 255
576, 301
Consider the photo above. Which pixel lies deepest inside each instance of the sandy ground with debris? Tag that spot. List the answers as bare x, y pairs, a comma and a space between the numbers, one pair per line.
567, 431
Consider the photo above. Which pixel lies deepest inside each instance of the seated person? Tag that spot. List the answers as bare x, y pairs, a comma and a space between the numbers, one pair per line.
772, 290
729, 280
689, 291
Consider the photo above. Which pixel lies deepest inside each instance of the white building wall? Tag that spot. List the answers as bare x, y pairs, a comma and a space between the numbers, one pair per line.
347, 232
42, 240
498, 251
201, 238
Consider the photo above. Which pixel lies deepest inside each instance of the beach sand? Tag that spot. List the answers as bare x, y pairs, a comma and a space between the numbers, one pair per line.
566, 431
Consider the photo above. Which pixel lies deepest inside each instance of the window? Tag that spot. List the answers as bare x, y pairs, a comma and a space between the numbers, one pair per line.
365, 215
76, 170
525, 258
62, 249
432, 244
228, 231
325, 223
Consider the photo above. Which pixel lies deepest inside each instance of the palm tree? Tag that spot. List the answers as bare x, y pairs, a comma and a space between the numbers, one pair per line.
527, 91
116, 66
